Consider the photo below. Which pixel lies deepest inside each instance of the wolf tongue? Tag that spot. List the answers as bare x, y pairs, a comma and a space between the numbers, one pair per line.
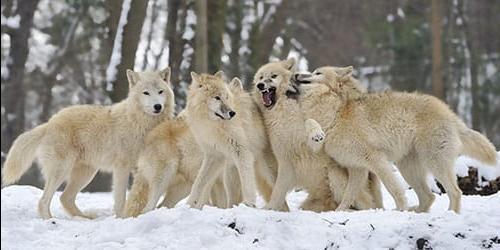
266, 97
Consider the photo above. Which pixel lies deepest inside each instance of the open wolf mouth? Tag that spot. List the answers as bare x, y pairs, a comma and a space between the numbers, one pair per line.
269, 97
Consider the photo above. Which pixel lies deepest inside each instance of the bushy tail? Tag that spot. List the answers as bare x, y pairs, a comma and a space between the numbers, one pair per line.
138, 196
476, 145
22, 154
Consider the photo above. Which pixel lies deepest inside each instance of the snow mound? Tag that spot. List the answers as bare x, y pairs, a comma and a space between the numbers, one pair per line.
247, 228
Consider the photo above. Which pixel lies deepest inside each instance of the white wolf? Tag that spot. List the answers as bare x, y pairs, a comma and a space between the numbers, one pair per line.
171, 160
418, 132
323, 179
80, 140
228, 127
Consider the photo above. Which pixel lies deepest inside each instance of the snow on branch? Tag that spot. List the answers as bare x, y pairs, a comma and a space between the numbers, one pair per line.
116, 55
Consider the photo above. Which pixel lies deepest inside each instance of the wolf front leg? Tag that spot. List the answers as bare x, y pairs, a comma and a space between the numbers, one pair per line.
285, 181
245, 161
208, 173
120, 181
315, 135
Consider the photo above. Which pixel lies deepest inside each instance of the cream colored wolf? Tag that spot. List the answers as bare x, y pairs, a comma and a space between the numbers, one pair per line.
227, 126
168, 164
418, 132
80, 140
323, 179
172, 159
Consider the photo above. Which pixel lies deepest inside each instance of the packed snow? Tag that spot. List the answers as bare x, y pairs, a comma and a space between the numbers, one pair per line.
478, 226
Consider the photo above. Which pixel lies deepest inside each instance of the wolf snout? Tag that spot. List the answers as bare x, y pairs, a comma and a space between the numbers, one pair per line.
232, 114
261, 86
157, 107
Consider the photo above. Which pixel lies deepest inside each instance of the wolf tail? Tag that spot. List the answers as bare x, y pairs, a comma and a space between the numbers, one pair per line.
22, 154
476, 145
138, 196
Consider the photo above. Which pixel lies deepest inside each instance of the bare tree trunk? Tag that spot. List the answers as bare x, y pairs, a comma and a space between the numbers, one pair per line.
201, 45
437, 54
216, 24
130, 40
114, 9
13, 91
472, 46
174, 38
154, 15
236, 16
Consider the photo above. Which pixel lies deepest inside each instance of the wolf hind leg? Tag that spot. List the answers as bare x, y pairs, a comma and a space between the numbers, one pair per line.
80, 176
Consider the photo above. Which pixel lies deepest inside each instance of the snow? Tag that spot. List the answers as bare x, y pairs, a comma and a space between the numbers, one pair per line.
401, 13
116, 55
390, 18
487, 172
11, 22
245, 228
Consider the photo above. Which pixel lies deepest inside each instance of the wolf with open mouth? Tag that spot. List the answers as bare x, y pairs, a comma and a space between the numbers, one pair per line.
277, 97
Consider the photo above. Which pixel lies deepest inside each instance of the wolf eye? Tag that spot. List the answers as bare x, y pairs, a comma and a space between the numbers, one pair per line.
217, 98
274, 76
160, 92
145, 92
317, 73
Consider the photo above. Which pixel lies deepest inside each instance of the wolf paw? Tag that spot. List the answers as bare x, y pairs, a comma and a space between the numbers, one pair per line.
316, 135
316, 140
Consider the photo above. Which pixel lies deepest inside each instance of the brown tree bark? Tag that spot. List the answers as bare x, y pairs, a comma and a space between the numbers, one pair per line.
174, 37
216, 20
130, 40
437, 49
14, 91
236, 16
201, 38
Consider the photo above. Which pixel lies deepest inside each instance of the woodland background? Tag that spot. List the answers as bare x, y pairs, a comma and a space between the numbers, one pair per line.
56, 53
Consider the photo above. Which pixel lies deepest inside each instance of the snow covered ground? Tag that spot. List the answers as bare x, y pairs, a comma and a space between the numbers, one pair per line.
478, 226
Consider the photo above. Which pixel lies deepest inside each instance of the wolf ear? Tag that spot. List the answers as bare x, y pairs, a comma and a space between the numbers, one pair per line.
165, 74
132, 77
289, 63
345, 73
195, 79
219, 74
236, 84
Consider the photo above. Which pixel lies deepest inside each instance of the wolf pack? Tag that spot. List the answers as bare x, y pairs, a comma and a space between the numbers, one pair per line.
319, 131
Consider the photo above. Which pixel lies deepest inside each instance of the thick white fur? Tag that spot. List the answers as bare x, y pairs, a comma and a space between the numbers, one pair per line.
323, 179
80, 140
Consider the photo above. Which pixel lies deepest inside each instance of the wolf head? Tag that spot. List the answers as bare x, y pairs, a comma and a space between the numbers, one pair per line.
272, 81
209, 94
337, 78
151, 91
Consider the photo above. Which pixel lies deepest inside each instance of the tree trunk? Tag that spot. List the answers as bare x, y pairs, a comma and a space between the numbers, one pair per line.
216, 24
472, 46
174, 38
130, 40
236, 16
201, 43
437, 54
154, 15
13, 91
